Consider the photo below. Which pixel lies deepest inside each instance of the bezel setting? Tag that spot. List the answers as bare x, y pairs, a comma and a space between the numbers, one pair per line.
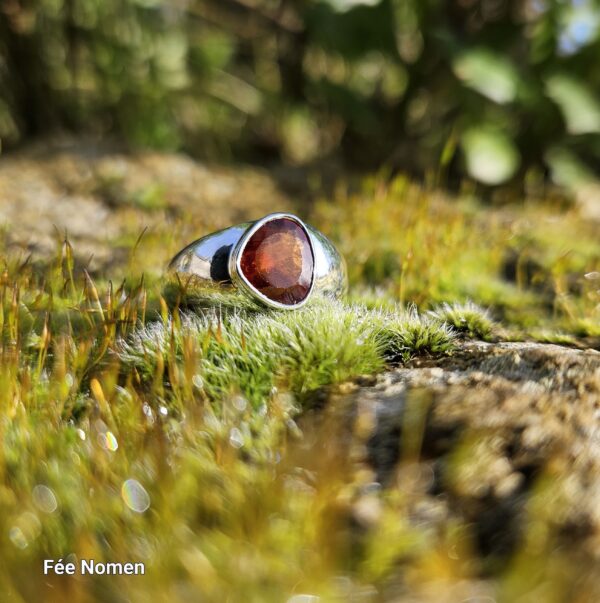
240, 280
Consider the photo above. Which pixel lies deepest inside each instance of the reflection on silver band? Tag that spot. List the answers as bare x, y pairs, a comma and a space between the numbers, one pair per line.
201, 272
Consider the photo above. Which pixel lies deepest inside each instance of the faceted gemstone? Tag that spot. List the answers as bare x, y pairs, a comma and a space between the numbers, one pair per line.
278, 261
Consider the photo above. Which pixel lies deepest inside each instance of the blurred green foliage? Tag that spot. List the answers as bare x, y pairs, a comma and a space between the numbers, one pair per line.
496, 89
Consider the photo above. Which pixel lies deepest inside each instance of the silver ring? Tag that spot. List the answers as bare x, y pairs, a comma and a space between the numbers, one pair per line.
277, 261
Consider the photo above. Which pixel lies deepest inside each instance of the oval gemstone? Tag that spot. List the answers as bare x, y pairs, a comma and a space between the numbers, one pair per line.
278, 261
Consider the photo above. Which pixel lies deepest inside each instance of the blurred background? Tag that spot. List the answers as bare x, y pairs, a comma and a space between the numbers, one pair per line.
503, 92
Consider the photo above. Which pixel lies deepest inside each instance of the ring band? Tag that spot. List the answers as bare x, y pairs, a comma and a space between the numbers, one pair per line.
277, 261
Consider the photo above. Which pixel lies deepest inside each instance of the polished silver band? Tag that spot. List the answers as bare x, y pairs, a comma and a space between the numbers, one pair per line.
208, 271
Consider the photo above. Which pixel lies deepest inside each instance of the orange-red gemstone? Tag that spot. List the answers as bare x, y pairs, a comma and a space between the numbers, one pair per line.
278, 261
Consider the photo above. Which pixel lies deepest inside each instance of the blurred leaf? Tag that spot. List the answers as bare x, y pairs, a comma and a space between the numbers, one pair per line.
213, 50
171, 55
579, 106
491, 156
301, 136
236, 92
488, 73
395, 81
567, 169
345, 5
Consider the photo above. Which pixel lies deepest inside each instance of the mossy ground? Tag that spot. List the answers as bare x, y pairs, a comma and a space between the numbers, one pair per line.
132, 433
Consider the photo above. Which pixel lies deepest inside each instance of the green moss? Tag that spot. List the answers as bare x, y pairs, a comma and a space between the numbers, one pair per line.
408, 334
587, 327
467, 319
252, 352
527, 263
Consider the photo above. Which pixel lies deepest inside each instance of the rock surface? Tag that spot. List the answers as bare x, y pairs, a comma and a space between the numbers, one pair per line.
105, 199
477, 433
